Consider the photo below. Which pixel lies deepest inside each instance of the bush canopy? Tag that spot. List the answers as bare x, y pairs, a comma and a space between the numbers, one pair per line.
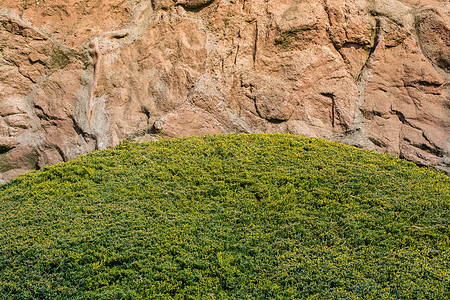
242, 216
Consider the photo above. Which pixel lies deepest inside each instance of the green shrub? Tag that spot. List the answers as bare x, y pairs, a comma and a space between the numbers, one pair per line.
227, 217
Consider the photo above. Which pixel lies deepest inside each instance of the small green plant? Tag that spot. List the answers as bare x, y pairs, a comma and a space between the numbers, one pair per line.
59, 59
288, 38
227, 217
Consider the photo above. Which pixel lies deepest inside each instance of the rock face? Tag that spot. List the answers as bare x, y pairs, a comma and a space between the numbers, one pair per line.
76, 76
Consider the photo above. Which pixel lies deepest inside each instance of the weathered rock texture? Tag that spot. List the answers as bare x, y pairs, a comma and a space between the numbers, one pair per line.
76, 75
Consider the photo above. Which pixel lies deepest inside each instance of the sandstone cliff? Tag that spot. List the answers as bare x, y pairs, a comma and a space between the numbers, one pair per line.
76, 75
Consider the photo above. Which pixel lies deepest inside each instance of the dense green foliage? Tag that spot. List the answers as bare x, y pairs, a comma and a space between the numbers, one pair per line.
227, 217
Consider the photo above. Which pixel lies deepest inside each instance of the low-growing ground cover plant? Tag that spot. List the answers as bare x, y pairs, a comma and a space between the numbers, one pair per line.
227, 217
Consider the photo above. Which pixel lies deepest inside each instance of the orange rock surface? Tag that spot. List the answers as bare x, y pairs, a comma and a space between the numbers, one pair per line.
76, 76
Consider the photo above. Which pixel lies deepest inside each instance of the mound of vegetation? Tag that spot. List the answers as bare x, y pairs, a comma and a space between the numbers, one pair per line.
227, 217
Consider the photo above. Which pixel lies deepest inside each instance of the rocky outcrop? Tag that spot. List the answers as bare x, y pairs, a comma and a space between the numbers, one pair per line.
76, 76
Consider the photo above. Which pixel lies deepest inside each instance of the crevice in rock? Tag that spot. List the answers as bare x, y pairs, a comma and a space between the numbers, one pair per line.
43, 115
194, 5
327, 10
372, 50
37, 166
434, 149
249, 90
255, 45
378, 143
14, 27
27, 76
429, 149
416, 162
333, 107
79, 130
237, 47
12, 62
271, 119
153, 130
76, 127
417, 21
5, 148
7, 114
402, 118
235, 57
275, 121
370, 114
426, 84
145, 111
61, 153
